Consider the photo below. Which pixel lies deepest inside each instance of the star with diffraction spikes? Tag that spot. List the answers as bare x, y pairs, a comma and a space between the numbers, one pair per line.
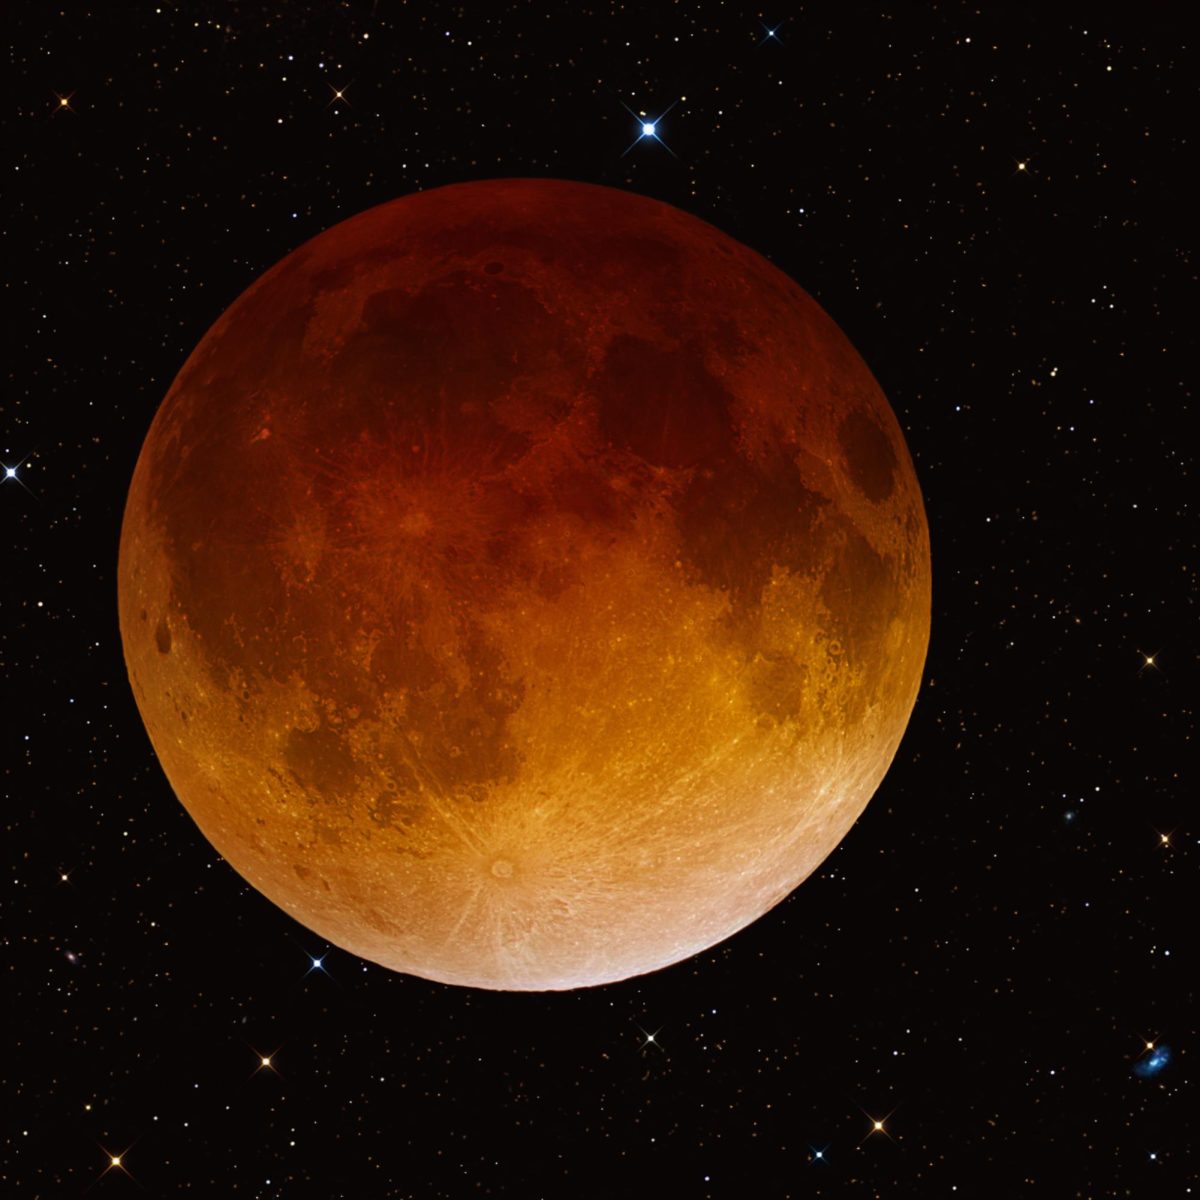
648, 128
265, 1062
650, 1039
12, 474
115, 1162
772, 34
878, 1125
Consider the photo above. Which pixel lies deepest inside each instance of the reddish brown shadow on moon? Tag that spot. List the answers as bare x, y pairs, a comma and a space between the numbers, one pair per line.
524, 585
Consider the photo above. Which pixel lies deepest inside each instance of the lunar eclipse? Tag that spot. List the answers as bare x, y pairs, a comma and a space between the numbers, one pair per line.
525, 585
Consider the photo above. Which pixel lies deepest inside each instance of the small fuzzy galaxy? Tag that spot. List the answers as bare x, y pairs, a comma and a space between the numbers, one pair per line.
1154, 1062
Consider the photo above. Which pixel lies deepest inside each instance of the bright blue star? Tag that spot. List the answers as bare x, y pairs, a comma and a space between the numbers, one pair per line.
1155, 1059
648, 128
316, 963
11, 473
772, 34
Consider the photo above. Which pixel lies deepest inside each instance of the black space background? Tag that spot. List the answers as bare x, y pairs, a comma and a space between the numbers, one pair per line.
986, 954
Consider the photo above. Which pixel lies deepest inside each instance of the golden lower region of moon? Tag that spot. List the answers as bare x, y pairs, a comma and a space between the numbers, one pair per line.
524, 585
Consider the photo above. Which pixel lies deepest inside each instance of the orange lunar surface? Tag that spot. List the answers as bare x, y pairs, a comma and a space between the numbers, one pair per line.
524, 585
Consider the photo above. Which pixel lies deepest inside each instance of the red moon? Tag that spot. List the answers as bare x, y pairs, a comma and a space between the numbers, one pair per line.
524, 585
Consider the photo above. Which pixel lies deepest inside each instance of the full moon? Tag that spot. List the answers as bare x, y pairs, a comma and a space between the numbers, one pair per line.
524, 585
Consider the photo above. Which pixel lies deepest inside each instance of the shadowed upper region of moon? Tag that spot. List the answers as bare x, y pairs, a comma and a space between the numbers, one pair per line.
662, 404
524, 584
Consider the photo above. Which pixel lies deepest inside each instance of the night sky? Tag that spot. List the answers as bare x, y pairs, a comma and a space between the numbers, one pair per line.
996, 964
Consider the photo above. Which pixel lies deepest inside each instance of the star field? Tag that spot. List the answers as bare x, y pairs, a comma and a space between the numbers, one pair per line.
987, 989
